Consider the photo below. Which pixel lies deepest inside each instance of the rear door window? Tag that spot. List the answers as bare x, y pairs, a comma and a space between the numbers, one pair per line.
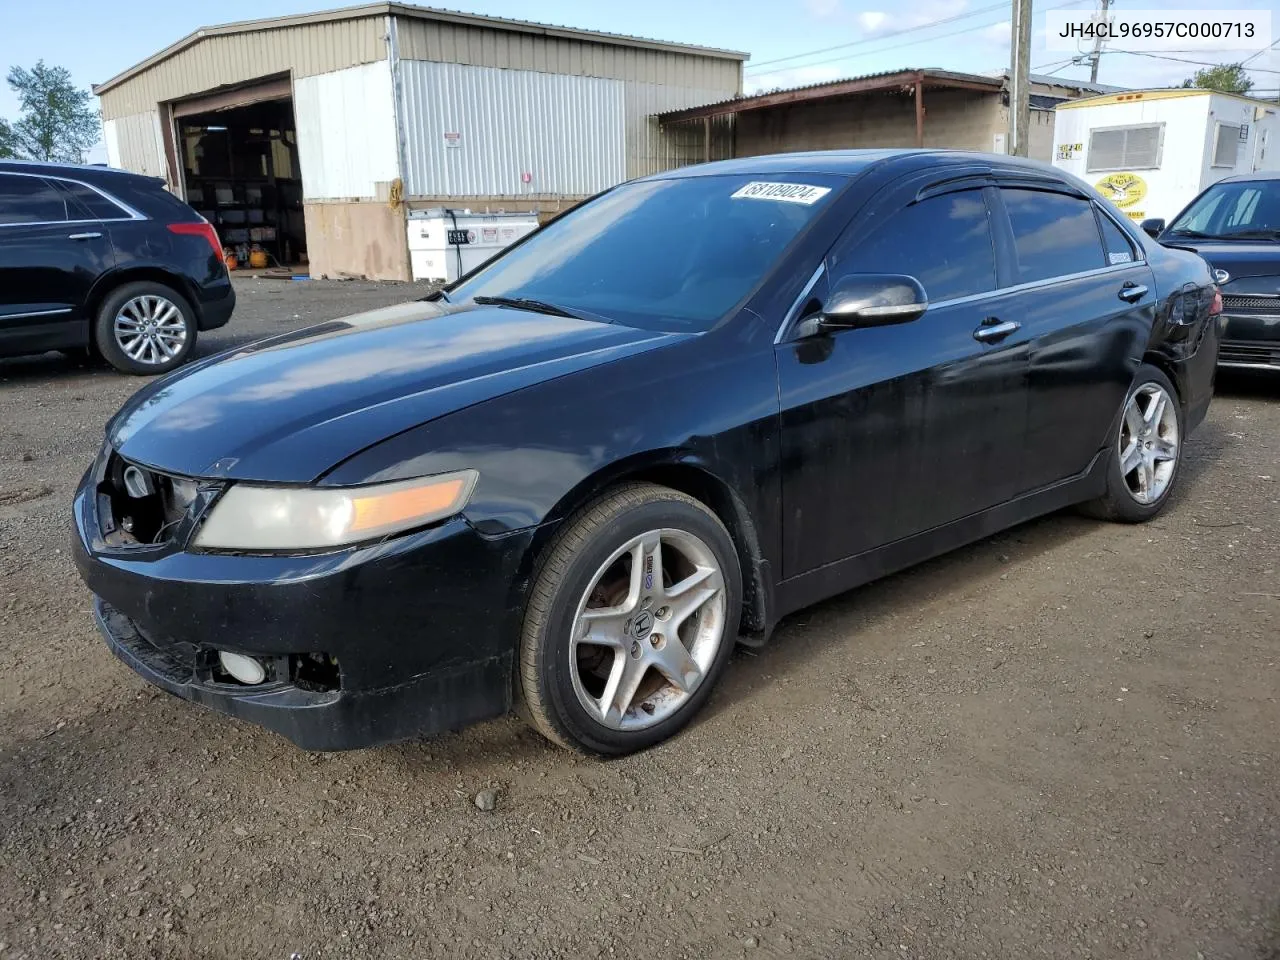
945, 242
30, 200
1117, 243
1054, 235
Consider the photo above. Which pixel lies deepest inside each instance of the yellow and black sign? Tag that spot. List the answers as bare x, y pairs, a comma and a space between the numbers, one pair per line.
1122, 189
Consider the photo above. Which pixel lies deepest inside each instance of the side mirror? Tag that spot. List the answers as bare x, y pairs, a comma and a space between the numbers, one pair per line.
1153, 227
872, 300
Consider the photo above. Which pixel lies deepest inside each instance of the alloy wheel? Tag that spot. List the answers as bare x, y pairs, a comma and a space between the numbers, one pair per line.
1149, 443
150, 329
647, 629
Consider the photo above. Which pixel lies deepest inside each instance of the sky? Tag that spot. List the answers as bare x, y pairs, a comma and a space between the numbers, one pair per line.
96, 40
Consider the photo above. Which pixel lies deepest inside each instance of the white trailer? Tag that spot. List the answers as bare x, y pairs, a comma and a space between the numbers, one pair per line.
1152, 151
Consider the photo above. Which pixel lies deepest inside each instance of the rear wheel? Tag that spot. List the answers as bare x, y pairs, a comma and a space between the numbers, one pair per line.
632, 616
1147, 452
145, 328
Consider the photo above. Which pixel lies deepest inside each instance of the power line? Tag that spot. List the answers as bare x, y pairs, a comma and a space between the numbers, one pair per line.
884, 36
909, 43
1198, 63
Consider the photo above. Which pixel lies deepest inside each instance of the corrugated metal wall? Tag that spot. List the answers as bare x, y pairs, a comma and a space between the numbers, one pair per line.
134, 143
652, 148
487, 47
346, 132
566, 132
304, 49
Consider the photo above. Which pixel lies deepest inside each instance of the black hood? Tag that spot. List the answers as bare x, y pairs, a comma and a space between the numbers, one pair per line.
1240, 260
291, 408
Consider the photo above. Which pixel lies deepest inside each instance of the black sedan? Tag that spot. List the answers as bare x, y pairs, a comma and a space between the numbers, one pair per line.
1235, 225
99, 259
692, 405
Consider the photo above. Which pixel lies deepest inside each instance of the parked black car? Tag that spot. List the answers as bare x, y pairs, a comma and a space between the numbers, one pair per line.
1235, 225
683, 410
108, 261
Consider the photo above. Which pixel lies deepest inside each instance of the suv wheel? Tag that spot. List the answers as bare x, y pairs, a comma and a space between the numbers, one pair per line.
145, 328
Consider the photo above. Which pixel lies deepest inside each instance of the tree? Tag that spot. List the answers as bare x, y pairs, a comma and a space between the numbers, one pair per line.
8, 143
1225, 78
58, 120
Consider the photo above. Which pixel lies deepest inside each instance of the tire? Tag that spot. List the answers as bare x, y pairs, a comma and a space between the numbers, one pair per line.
1126, 500
153, 319
599, 568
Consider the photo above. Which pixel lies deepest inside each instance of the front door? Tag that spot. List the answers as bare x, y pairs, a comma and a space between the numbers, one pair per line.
891, 431
49, 258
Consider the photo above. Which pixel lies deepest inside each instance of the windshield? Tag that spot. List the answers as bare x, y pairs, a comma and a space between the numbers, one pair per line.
660, 254
1247, 210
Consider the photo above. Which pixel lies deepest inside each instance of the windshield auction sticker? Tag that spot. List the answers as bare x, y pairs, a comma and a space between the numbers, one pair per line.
786, 192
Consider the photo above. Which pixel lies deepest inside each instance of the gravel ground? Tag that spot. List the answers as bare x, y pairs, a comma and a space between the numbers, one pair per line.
1060, 742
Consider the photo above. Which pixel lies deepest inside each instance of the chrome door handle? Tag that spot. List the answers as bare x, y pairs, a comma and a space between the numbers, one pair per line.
993, 331
84, 236
1132, 292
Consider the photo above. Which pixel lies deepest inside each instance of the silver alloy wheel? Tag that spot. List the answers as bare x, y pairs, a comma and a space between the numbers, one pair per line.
150, 329
1149, 443
647, 629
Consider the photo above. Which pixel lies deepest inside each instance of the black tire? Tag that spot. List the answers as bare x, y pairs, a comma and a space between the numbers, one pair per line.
1119, 504
104, 338
544, 686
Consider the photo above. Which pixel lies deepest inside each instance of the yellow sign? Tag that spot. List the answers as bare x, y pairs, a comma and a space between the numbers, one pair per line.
1138, 215
1122, 189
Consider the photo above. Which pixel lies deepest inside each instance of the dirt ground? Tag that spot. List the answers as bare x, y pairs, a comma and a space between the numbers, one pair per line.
1060, 742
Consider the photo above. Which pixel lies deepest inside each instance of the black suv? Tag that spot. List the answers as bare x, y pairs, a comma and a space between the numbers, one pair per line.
105, 260
1235, 225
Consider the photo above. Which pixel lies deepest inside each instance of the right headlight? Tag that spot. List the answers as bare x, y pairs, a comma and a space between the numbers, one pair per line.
268, 518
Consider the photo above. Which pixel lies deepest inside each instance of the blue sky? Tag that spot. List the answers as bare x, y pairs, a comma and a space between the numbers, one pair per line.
96, 39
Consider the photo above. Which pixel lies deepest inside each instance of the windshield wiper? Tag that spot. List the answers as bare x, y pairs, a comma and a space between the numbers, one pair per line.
1252, 235
533, 306
1192, 235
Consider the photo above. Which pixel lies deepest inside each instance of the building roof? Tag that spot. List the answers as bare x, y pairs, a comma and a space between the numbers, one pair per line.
419, 13
1164, 93
930, 77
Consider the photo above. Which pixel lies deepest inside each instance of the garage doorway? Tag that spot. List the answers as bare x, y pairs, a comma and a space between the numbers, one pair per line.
237, 153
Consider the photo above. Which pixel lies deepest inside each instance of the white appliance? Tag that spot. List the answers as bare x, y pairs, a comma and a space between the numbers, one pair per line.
443, 244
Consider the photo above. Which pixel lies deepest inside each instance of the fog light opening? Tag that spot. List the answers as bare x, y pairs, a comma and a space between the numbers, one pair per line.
247, 670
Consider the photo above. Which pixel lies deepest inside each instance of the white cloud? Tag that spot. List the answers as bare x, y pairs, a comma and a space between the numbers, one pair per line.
824, 9
873, 21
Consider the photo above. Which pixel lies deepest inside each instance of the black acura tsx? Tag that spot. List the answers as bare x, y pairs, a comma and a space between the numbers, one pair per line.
572, 480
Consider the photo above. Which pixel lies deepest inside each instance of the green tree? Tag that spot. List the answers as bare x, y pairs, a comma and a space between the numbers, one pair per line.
8, 144
1226, 78
58, 120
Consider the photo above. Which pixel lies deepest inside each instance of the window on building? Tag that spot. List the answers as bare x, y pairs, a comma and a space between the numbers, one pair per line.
1054, 234
1226, 144
944, 242
30, 200
1125, 148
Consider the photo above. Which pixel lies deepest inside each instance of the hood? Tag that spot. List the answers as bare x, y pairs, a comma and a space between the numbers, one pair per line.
1238, 259
290, 408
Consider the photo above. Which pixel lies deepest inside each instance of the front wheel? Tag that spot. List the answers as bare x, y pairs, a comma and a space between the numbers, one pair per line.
632, 616
1147, 452
145, 328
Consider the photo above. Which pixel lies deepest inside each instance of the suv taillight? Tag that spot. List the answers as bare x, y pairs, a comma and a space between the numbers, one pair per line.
202, 229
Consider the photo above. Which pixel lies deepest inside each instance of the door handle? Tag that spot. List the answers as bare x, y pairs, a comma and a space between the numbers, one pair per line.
993, 330
1132, 292
84, 236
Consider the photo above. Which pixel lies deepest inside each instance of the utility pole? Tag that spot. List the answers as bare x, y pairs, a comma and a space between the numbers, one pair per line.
1096, 55
1019, 80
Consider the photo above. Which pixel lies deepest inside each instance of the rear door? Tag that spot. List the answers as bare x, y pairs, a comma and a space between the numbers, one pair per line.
51, 251
890, 431
1086, 300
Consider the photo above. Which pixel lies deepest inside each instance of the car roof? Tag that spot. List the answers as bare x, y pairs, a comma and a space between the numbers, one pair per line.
854, 162
80, 171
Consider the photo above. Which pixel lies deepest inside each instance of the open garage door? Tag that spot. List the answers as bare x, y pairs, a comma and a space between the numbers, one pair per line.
236, 153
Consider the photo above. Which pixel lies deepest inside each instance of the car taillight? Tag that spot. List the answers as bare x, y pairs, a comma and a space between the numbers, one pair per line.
201, 229
1215, 308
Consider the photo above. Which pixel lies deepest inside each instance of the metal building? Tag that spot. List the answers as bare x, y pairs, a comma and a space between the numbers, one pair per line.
311, 135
